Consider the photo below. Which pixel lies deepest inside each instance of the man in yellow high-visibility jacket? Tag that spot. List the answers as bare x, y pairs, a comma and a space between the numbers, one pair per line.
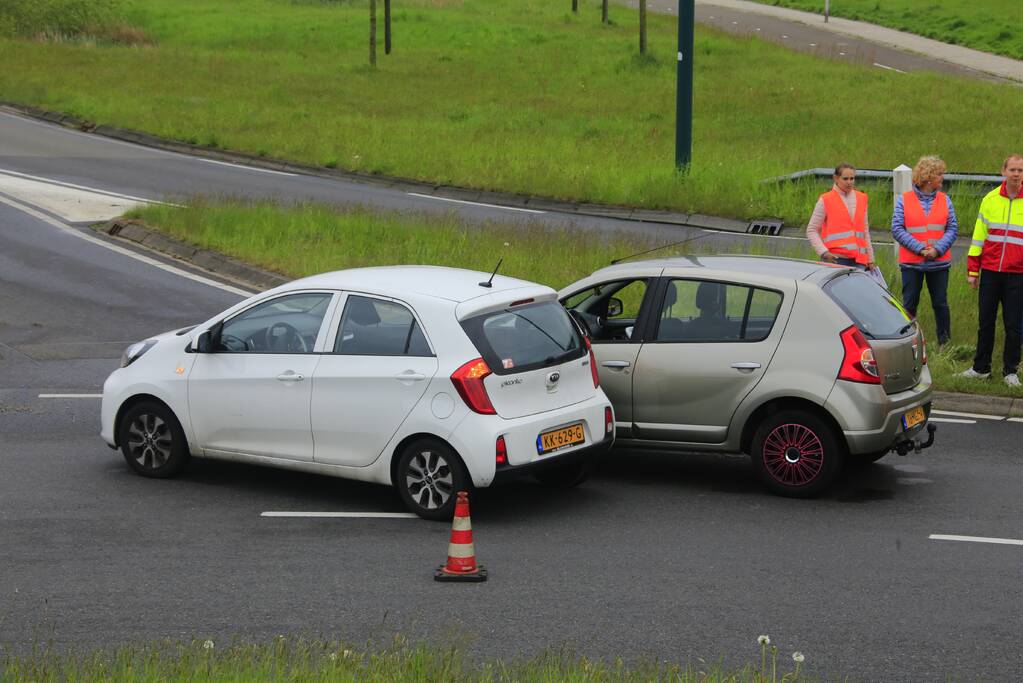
995, 262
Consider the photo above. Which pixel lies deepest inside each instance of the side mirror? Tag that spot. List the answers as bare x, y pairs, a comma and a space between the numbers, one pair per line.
204, 342
614, 307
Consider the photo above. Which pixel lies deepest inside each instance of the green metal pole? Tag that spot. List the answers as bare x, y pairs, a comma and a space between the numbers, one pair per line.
684, 89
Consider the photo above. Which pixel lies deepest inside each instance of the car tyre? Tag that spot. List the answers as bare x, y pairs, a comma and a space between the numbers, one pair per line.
152, 441
564, 476
796, 454
429, 476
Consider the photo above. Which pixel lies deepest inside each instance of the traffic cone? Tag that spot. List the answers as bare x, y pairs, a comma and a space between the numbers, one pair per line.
461, 564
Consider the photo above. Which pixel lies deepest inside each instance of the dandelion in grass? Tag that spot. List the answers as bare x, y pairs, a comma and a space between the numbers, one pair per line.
763, 640
207, 645
798, 657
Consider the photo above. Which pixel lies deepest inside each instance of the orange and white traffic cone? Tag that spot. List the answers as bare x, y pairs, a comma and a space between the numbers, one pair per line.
461, 564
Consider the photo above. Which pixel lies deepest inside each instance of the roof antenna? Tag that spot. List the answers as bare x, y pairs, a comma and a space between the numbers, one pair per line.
489, 283
663, 246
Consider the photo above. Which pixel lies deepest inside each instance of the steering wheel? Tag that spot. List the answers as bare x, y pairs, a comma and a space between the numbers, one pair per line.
282, 337
235, 344
584, 323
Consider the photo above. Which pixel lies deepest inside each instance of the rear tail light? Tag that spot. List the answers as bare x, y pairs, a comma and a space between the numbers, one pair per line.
593, 363
501, 451
609, 421
468, 381
858, 364
923, 348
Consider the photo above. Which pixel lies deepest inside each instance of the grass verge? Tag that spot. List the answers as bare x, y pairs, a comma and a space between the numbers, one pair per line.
301, 661
312, 238
987, 25
521, 97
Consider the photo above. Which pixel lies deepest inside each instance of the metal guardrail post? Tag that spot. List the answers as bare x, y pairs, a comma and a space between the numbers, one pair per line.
902, 181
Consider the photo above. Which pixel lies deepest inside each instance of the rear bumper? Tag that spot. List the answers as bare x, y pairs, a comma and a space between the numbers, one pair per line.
576, 456
872, 420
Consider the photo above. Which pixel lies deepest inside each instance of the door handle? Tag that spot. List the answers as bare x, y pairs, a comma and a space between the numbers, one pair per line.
746, 366
290, 376
615, 364
410, 376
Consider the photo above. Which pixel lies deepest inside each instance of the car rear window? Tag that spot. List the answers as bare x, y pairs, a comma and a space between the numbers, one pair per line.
525, 337
872, 308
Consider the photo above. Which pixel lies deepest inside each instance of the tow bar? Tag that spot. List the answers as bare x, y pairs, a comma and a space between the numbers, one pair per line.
916, 445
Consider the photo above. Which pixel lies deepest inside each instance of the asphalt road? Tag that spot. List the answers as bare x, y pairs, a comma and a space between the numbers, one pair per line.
659, 555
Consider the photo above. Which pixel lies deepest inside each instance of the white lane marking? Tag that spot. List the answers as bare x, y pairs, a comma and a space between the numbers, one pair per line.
463, 201
121, 250
244, 167
980, 416
72, 204
974, 539
1015, 419
890, 68
952, 419
346, 515
70, 395
94, 190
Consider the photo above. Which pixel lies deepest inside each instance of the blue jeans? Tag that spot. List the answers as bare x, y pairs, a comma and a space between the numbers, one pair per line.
844, 261
937, 287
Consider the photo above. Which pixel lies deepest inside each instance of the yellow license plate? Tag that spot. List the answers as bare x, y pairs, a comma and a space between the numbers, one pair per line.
556, 439
913, 418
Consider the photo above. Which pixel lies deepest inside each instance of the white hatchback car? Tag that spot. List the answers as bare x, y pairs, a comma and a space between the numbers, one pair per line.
429, 379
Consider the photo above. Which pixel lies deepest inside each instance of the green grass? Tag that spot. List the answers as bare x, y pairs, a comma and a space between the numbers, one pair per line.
61, 20
313, 238
287, 660
521, 97
988, 25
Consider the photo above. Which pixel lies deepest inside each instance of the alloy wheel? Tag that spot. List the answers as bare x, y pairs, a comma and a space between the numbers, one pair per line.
149, 441
429, 479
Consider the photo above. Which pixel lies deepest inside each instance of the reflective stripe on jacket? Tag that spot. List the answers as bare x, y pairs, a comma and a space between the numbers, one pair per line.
998, 235
844, 235
927, 228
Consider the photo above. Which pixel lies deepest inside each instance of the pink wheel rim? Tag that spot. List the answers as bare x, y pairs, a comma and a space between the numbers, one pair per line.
793, 455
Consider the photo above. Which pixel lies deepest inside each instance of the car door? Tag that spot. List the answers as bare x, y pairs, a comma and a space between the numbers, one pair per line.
614, 315
377, 369
710, 344
251, 393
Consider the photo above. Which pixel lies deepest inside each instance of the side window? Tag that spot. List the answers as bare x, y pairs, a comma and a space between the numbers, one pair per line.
702, 311
608, 311
373, 327
287, 324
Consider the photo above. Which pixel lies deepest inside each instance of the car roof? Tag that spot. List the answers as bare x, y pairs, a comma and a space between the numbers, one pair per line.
758, 266
451, 284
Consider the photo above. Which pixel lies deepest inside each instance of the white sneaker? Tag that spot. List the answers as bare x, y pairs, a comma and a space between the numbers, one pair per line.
1012, 380
973, 374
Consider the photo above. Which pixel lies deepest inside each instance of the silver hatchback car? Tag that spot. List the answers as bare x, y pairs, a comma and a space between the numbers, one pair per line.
802, 365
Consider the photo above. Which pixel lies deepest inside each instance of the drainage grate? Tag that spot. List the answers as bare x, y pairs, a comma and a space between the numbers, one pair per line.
764, 226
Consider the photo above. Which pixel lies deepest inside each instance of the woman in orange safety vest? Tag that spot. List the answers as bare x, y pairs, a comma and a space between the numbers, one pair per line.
838, 229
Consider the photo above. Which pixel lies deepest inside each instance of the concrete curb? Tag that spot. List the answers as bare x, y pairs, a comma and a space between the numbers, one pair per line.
403, 184
256, 278
229, 268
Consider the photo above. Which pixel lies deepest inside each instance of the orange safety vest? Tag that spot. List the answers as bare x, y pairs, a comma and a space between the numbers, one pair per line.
928, 228
842, 235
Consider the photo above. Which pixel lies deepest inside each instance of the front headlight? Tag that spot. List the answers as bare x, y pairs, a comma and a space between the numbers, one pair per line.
135, 351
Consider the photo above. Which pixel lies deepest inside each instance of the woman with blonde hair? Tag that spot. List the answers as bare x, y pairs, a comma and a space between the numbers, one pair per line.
925, 226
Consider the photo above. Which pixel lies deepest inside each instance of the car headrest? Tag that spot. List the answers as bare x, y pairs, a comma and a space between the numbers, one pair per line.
361, 311
670, 296
709, 298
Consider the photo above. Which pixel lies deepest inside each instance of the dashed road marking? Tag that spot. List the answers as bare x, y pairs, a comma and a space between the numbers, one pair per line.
954, 420
70, 395
246, 168
889, 68
975, 539
346, 515
463, 201
980, 416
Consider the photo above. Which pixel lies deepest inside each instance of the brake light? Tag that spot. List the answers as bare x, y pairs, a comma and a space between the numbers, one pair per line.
593, 363
468, 381
858, 364
501, 452
609, 421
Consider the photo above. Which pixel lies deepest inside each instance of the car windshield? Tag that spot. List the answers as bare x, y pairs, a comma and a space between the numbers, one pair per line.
525, 338
872, 308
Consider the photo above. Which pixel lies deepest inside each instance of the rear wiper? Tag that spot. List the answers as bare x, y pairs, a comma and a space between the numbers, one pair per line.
906, 327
